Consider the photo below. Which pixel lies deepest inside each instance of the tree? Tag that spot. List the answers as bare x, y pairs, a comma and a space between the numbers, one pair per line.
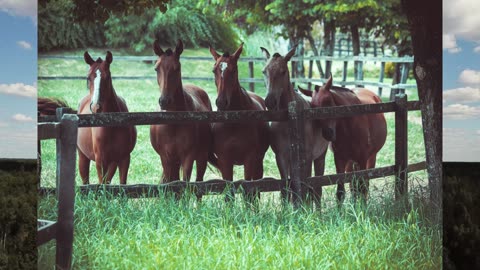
425, 21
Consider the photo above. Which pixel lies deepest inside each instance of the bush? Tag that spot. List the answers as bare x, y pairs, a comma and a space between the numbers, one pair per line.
58, 27
181, 21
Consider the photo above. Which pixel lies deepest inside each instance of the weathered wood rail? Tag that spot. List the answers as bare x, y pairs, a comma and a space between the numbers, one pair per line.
295, 117
251, 80
65, 133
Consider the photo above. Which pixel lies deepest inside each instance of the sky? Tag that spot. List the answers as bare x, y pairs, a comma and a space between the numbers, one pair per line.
18, 78
461, 80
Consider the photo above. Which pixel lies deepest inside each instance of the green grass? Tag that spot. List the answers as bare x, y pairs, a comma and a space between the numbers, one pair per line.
160, 233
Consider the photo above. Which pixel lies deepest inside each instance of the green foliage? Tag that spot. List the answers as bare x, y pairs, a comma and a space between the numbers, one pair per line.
181, 21
59, 28
18, 201
389, 69
100, 10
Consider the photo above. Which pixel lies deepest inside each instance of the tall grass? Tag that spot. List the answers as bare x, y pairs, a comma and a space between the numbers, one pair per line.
161, 233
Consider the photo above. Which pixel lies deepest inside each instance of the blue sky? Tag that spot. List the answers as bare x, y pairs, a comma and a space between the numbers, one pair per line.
18, 76
461, 81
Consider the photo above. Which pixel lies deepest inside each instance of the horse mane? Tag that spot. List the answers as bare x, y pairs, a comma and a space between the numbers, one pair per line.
48, 106
275, 55
339, 88
169, 52
226, 54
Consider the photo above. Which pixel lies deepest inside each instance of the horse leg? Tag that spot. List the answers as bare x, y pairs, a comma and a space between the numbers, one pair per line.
123, 170
319, 167
253, 170
187, 166
171, 172
201, 168
340, 166
282, 165
111, 170
226, 168
84, 167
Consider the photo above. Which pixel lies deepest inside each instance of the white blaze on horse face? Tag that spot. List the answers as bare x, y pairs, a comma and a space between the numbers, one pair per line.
96, 87
223, 67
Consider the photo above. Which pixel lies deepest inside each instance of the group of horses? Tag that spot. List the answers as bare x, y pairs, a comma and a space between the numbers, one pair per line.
355, 141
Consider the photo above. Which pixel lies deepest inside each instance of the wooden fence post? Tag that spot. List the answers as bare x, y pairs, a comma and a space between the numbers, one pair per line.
310, 67
358, 70
401, 146
382, 75
251, 74
344, 74
66, 190
297, 150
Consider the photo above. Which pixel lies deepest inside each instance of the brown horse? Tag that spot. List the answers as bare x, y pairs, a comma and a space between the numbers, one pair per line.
46, 107
179, 145
109, 147
280, 94
243, 143
355, 140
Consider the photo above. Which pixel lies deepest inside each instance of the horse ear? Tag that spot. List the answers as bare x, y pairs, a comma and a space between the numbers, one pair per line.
291, 53
237, 53
305, 91
179, 48
328, 84
214, 53
265, 53
317, 88
109, 57
156, 48
88, 58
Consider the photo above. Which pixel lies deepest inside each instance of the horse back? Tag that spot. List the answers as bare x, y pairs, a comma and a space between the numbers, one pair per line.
259, 103
201, 101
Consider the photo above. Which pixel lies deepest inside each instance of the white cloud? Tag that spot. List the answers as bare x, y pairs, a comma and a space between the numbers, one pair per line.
462, 95
460, 18
469, 76
461, 144
477, 132
450, 43
26, 8
22, 118
25, 45
3, 124
460, 112
19, 89
477, 49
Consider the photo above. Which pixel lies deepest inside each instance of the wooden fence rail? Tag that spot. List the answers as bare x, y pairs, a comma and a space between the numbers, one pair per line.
251, 80
294, 115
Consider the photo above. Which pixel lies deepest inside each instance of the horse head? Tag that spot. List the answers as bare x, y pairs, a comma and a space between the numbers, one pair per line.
323, 97
99, 81
277, 78
168, 68
226, 76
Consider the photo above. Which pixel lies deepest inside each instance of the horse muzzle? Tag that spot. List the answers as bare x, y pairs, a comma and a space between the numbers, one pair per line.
329, 134
164, 102
222, 103
95, 108
271, 102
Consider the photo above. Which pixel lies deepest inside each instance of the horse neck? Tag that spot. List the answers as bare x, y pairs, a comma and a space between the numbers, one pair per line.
240, 100
287, 96
181, 100
110, 100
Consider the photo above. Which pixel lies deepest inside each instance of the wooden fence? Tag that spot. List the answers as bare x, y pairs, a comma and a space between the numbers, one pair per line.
251, 80
295, 117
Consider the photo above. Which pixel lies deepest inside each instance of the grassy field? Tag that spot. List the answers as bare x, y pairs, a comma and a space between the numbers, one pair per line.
163, 234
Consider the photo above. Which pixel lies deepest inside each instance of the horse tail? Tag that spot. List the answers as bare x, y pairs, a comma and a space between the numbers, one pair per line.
48, 106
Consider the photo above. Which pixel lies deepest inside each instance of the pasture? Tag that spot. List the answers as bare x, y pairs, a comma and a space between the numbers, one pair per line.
161, 233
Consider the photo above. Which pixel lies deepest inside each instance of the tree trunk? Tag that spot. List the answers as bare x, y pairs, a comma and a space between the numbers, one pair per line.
425, 22
328, 43
358, 66
315, 52
300, 53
